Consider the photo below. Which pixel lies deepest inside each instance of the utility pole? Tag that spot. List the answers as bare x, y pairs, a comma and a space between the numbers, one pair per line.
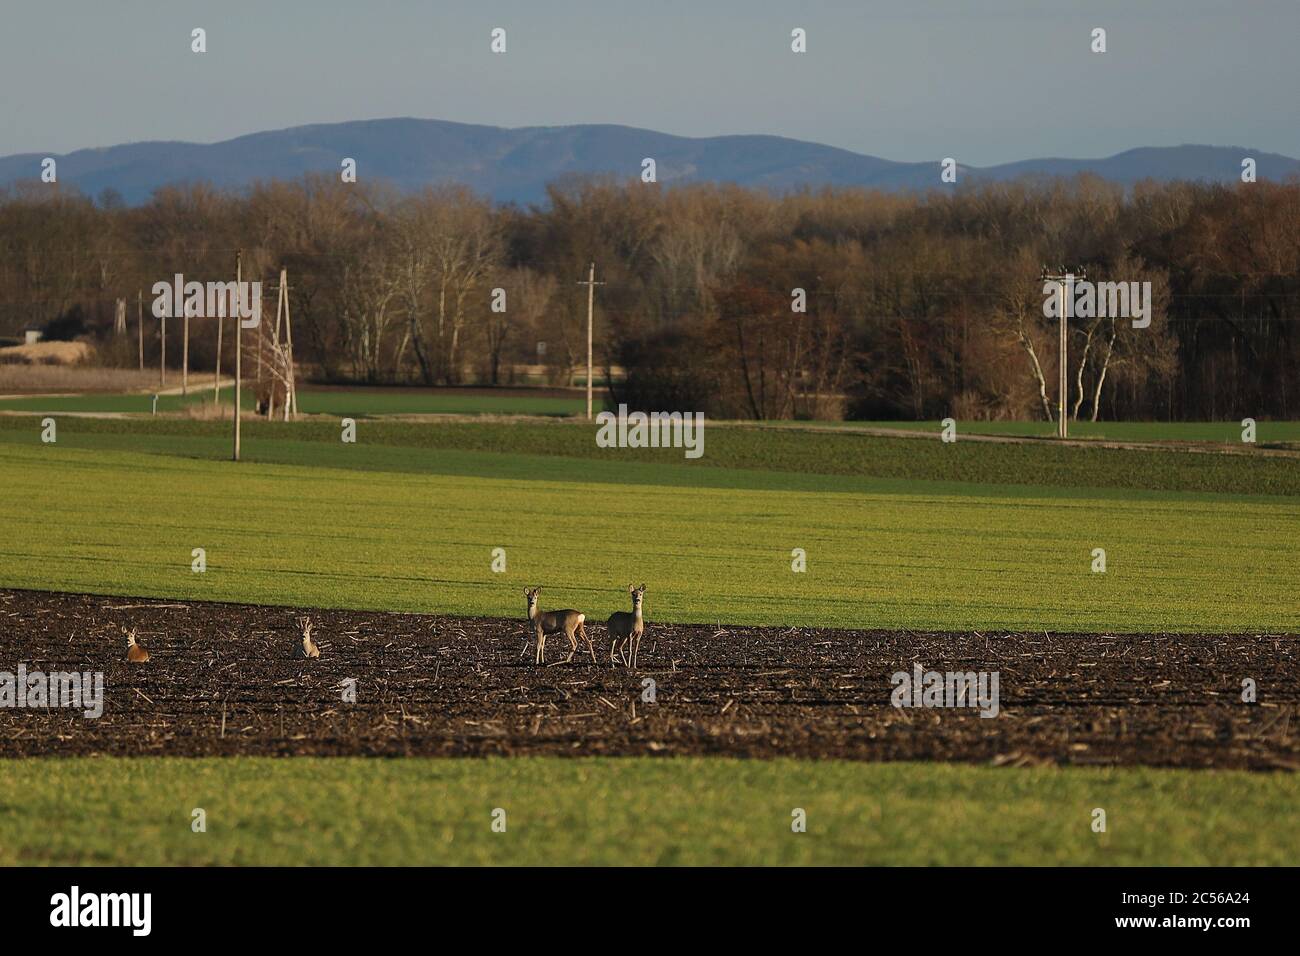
277, 356
185, 355
162, 355
291, 392
139, 321
239, 301
216, 376
591, 283
260, 343
1065, 298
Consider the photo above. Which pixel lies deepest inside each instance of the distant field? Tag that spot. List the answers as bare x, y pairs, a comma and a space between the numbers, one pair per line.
357, 811
803, 459
359, 402
318, 522
17, 379
1225, 432
120, 402
355, 403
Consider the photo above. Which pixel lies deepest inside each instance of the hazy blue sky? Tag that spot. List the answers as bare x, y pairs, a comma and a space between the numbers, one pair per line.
986, 81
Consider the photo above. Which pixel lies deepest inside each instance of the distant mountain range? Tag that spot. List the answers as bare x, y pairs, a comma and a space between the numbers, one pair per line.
516, 164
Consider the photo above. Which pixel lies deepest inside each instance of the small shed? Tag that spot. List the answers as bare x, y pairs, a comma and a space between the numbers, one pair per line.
31, 336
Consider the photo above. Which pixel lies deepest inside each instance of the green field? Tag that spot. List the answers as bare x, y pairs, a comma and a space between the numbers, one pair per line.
358, 402
366, 402
355, 811
353, 402
898, 532
776, 457
118, 402
1228, 433
412, 527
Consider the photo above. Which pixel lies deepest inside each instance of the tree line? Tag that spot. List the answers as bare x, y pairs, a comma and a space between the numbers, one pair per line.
730, 301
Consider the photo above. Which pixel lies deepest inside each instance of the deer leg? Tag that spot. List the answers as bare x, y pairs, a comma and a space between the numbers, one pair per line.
541, 648
573, 649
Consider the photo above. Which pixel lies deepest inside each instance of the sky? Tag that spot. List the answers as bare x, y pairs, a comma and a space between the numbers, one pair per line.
985, 81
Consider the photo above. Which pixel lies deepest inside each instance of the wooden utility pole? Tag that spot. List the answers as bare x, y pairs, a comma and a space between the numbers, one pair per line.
291, 396
162, 355
282, 356
1065, 296
139, 318
216, 378
591, 283
261, 344
185, 355
1062, 394
277, 355
239, 297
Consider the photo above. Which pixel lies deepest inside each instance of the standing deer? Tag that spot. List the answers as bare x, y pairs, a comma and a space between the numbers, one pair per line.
627, 628
568, 622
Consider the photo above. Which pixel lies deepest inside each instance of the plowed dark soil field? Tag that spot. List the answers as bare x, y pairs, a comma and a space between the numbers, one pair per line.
223, 680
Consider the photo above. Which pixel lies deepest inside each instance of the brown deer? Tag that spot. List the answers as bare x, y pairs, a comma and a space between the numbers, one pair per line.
567, 622
625, 629
308, 649
134, 652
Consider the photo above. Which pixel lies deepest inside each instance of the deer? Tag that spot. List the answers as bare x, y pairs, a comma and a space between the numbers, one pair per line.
568, 622
625, 628
135, 654
309, 648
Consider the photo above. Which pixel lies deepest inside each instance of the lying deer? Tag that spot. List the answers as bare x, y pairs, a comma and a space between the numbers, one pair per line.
627, 628
569, 622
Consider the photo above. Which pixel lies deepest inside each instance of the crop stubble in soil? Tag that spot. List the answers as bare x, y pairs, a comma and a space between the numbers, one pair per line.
448, 686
